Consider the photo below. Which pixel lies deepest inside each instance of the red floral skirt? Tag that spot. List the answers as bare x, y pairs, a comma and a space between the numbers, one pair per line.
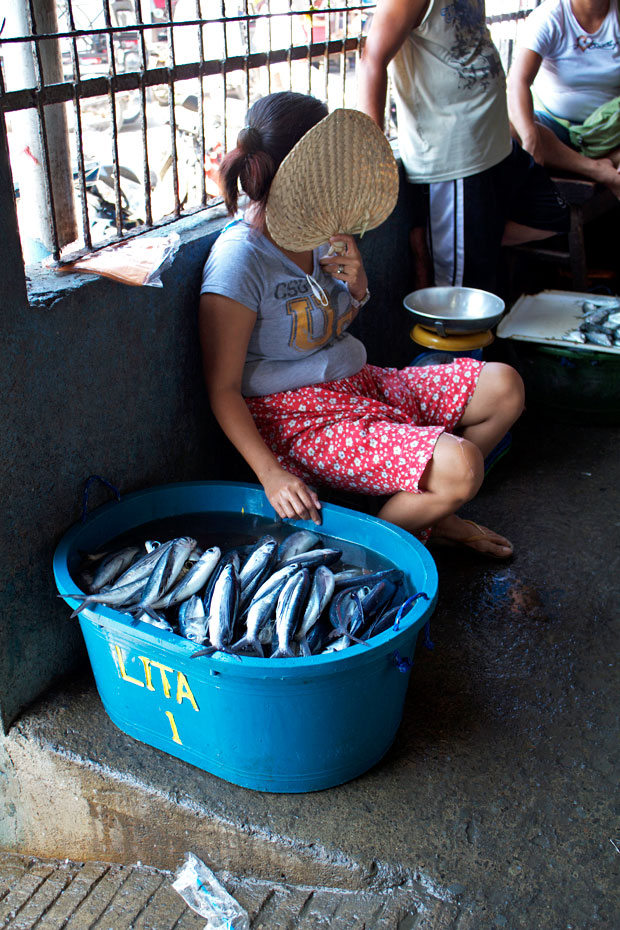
372, 433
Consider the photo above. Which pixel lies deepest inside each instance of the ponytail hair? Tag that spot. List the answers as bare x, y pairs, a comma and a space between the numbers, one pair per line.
274, 124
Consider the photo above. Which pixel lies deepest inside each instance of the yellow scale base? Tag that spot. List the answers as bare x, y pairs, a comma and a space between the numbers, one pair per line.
453, 342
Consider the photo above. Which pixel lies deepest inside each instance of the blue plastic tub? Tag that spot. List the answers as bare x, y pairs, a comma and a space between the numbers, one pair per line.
281, 725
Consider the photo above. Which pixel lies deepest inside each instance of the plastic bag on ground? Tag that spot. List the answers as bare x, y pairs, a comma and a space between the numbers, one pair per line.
202, 891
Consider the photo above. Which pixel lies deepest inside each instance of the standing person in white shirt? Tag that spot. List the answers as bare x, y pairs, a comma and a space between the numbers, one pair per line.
471, 187
569, 56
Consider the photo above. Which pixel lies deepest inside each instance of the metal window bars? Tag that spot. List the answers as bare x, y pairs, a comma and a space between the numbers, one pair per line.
199, 62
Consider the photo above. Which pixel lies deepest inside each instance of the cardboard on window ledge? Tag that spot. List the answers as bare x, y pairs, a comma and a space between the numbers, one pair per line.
138, 261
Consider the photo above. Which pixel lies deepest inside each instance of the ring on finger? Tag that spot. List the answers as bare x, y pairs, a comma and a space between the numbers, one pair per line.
340, 269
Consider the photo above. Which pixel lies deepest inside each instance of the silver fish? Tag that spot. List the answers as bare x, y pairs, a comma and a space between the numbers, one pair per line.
165, 571
345, 604
151, 544
369, 578
289, 609
231, 558
301, 541
597, 315
381, 623
342, 643
255, 570
613, 320
195, 579
347, 612
590, 306
267, 633
222, 611
599, 338
112, 566
262, 608
118, 597
315, 557
143, 567
321, 590
575, 335
155, 620
193, 621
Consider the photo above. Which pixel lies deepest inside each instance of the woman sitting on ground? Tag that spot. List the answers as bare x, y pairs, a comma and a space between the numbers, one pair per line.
570, 54
291, 388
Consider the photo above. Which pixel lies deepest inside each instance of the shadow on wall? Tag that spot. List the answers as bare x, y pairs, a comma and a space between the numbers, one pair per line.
383, 325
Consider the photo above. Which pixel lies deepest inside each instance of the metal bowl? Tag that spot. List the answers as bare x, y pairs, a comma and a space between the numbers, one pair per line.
453, 310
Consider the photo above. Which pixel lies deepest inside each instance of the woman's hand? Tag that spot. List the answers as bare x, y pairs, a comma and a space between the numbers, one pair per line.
290, 497
346, 265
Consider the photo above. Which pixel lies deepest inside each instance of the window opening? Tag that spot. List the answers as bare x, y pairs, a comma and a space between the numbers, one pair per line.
133, 102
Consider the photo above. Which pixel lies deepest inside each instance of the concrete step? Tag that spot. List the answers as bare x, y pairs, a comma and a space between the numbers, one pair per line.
55, 894
125, 814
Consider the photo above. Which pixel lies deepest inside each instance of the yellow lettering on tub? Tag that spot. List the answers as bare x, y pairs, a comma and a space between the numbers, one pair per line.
123, 673
175, 732
164, 680
184, 690
148, 678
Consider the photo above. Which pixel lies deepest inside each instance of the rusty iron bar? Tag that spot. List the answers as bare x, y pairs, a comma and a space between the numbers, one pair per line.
172, 112
40, 106
201, 116
146, 172
75, 61
98, 86
118, 207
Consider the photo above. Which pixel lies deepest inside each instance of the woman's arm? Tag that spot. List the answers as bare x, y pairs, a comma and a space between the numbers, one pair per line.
225, 330
520, 103
392, 21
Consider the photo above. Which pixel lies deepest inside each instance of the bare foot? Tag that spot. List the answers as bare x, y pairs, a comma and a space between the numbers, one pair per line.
455, 531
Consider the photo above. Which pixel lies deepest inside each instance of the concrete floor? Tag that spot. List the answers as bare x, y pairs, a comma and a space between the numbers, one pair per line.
497, 805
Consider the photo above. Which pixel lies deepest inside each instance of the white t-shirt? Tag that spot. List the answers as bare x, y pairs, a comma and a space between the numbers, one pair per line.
296, 340
450, 93
579, 70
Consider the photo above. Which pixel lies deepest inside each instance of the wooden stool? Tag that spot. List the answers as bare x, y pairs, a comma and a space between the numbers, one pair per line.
587, 201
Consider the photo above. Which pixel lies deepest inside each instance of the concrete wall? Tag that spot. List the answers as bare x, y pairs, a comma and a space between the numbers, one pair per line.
102, 378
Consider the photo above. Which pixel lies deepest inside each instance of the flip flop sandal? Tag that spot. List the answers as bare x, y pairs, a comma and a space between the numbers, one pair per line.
468, 540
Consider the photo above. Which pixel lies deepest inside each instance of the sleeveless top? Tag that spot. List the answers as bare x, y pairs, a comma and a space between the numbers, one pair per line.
450, 90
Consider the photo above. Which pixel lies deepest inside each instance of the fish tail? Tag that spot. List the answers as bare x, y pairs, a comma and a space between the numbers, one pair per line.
247, 642
149, 611
304, 648
84, 603
211, 649
204, 652
283, 652
341, 631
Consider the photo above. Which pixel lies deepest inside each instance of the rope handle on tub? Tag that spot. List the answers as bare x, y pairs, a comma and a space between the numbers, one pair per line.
404, 607
86, 492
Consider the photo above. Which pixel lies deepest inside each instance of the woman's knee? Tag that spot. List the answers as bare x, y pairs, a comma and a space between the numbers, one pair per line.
505, 388
456, 470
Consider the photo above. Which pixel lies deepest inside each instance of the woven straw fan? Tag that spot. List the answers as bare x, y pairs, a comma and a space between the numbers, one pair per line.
341, 177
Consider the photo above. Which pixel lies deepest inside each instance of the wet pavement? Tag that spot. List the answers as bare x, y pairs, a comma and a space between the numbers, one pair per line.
496, 807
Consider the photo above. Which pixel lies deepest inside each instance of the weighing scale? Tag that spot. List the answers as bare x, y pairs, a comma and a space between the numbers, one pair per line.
453, 319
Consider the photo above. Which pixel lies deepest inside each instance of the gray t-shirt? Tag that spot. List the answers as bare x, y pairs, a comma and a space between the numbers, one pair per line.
296, 340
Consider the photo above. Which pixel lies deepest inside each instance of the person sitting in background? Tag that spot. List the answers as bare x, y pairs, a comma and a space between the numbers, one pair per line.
569, 56
291, 388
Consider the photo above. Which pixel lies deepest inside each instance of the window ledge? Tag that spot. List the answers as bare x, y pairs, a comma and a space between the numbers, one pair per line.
47, 286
